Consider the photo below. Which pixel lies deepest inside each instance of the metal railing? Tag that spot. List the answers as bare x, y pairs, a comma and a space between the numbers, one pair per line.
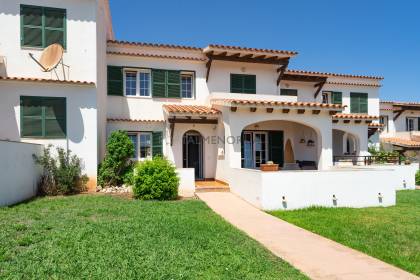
367, 160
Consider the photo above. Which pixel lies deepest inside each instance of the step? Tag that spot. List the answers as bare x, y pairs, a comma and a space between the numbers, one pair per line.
200, 189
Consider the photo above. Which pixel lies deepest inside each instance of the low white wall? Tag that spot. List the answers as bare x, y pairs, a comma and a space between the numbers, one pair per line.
18, 173
246, 183
187, 182
352, 188
404, 177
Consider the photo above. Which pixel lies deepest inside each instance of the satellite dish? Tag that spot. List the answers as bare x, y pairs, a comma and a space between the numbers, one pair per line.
50, 58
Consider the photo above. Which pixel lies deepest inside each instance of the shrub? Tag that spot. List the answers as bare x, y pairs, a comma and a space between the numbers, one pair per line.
62, 174
116, 163
155, 179
418, 178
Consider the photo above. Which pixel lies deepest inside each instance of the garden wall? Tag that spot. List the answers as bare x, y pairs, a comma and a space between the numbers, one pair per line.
18, 173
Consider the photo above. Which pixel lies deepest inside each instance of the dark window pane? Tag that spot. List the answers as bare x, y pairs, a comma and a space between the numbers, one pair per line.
32, 37
54, 18
55, 108
31, 127
32, 16
31, 107
54, 36
55, 127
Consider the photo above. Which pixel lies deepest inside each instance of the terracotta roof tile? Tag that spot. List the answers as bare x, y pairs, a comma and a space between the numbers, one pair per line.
278, 103
354, 84
401, 142
291, 71
143, 44
355, 116
157, 56
132, 120
400, 103
42, 80
190, 109
236, 48
376, 125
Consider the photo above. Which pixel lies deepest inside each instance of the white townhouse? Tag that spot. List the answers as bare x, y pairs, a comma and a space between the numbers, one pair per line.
218, 112
401, 122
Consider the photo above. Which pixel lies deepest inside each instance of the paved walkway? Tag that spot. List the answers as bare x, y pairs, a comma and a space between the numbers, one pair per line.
315, 256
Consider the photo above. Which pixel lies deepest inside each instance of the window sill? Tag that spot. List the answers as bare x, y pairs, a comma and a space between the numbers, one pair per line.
41, 138
28, 48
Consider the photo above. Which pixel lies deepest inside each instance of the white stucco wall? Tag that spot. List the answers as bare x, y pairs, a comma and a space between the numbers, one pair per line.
81, 32
186, 182
81, 118
399, 125
18, 172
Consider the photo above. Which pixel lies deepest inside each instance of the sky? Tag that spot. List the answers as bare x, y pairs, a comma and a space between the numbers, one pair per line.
379, 38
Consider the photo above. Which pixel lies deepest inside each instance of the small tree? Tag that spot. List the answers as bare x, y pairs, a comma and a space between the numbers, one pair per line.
155, 179
116, 163
62, 174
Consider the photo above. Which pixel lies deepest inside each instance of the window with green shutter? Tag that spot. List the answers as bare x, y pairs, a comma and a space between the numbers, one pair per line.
42, 26
240, 83
336, 97
43, 117
157, 147
166, 83
288, 92
115, 80
358, 102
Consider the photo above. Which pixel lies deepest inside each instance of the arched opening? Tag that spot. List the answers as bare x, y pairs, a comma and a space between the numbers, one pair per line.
345, 143
192, 152
290, 144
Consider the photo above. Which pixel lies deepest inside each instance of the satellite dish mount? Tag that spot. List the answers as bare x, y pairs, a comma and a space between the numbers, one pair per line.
51, 58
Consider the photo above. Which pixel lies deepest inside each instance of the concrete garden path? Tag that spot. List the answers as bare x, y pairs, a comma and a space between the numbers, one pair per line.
315, 256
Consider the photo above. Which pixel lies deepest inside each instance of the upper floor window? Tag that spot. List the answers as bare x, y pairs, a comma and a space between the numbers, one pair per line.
288, 92
358, 102
411, 123
186, 85
333, 97
42, 26
384, 120
43, 117
137, 82
240, 83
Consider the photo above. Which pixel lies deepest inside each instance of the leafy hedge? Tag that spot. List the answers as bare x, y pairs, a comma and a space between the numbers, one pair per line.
116, 164
418, 178
155, 179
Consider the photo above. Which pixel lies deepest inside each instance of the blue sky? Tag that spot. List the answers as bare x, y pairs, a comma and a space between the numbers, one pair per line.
355, 37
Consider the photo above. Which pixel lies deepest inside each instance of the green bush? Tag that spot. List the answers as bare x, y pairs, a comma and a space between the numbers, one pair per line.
116, 163
62, 174
155, 179
418, 178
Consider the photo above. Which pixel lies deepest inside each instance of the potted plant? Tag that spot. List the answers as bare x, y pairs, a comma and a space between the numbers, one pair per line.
269, 166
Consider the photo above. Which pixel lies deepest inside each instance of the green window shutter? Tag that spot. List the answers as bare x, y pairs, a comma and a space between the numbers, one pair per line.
250, 84
240, 83
157, 147
54, 29
358, 102
115, 80
236, 82
43, 117
336, 97
31, 26
275, 147
41, 27
173, 84
288, 92
158, 83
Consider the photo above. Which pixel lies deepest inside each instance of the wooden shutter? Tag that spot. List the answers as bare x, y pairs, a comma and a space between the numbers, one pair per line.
115, 80
354, 103
358, 102
54, 29
336, 97
158, 83
275, 147
250, 84
157, 147
31, 26
236, 83
363, 101
173, 84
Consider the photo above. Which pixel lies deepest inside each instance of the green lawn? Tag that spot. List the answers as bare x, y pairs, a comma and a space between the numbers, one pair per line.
105, 237
391, 234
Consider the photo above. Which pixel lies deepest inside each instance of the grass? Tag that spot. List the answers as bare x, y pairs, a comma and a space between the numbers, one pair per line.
391, 234
108, 237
